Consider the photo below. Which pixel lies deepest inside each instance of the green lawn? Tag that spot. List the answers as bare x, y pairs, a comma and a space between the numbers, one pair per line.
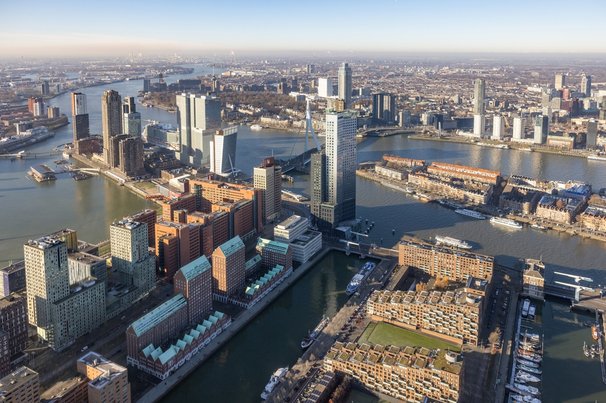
386, 334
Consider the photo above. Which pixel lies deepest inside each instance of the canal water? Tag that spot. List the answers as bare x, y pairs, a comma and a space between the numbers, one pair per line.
239, 371
29, 209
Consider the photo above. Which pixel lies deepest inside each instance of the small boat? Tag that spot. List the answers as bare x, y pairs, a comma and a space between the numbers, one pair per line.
527, 363
505, 222
313, 335
275, 379
526, 377
533, 390
470, 213
596, 157
538, 226
530, 370
531, 312
525, 307
256, 128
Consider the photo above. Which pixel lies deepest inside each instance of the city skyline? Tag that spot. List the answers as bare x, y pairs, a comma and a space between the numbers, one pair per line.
401, 25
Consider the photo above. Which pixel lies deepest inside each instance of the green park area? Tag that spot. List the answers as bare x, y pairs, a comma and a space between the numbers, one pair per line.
386, 334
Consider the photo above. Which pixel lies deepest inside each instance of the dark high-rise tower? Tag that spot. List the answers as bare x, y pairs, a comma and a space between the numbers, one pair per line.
345, 84
111, 119
80, 122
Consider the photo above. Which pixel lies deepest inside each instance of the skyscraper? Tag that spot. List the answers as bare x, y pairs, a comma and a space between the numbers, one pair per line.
479, 93
592, 134
325, 87
498, 127
384, 107
229, 268
130, 156
111, 119
541, 129
130, 257
197, 117
479, 125
59, 313
268, 178
223, 151
586, 85
518, 128
334, 173
560, 81
345, 84
131, 118
80, 122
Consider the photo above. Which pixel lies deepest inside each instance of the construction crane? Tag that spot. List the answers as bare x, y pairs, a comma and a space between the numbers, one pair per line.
577, 279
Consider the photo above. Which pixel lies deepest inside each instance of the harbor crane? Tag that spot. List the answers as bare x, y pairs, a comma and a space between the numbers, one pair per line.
577, 279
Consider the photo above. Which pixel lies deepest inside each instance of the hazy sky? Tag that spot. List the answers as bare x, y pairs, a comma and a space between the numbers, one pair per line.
89, 28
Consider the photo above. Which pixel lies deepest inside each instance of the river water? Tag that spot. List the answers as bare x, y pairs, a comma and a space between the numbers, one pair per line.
29, 209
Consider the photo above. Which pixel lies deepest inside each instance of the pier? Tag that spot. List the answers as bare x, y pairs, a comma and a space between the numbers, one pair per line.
24, 155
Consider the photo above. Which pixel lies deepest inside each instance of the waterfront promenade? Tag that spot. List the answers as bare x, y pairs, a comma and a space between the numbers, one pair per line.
238, 323
306, 367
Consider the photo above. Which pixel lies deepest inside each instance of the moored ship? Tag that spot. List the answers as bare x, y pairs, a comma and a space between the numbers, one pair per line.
470, 213
354, 284
275, 379
446, 240
313, 335
505, 222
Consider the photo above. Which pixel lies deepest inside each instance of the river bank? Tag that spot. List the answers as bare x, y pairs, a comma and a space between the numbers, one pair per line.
238, 323
488, 143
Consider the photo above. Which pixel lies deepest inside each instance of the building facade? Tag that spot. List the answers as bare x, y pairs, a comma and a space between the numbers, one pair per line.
440, 261
20, 386
228, 268
108, 381
268, 178
345, 84
455, 316
111, 119
194, 281
223, 151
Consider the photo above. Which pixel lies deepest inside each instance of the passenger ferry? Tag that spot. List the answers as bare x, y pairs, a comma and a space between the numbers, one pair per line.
354, 284
313, 335
470, 213
275, 379
506, 222
446, 240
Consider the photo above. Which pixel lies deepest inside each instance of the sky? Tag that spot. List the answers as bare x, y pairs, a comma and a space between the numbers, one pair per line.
67, 28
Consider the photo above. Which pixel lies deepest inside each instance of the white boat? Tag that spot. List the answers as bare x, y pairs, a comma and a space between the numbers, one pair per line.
367, 268
527, 388
596, 157
506, 222
256, 128
446, 240
354, 284
275, 379
525, 307
313, 335
538, 226
527, 363
470, 213
531, 311
530, 370
526, 377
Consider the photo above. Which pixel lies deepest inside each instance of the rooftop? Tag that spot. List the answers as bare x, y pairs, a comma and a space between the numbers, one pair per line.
15, 380
126, 223
290, 222
46, 242
158, 314
275, 246
232, 246
195, 268
13, 267
108, 369
61, 388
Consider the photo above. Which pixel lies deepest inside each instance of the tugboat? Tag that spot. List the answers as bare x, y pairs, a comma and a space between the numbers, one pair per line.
313, 335
275, 379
